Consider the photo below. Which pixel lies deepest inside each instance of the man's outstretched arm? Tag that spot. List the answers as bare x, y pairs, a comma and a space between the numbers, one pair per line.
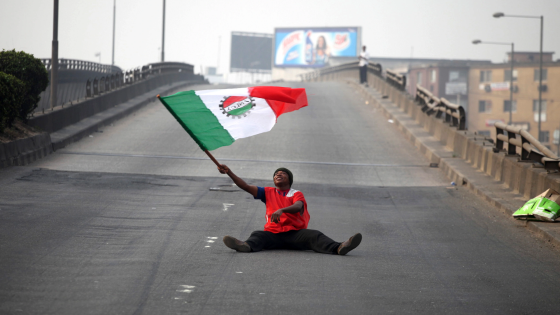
238, 181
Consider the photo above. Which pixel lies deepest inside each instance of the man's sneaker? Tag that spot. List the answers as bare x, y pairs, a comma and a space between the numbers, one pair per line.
349, 245
236, 244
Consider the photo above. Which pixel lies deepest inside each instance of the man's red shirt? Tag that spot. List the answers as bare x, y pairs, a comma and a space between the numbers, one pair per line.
277, 199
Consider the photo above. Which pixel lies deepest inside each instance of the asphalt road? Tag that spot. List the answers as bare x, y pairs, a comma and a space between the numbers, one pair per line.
130, 221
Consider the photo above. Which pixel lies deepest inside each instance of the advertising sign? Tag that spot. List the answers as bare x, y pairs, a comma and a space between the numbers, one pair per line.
454, 88
251, 52
313, 47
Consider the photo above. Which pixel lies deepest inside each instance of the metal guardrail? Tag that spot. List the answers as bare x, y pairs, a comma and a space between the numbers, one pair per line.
116, 80
373, 68
69, 93
396, 80
72, 64
531, 148
455, 114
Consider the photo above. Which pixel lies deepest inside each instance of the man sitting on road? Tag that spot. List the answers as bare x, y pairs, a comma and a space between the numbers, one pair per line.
286, 220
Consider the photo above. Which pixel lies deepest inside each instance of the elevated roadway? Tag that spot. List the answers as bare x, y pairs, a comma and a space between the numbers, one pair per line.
130, 220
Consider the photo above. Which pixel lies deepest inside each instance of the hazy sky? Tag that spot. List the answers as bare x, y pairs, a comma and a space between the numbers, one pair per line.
434, 28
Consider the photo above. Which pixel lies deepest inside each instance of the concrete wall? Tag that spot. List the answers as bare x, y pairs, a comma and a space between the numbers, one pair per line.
521, 177
62, 117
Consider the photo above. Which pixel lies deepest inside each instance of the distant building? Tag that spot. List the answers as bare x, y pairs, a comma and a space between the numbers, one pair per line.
443, 78
529, 56
489, 97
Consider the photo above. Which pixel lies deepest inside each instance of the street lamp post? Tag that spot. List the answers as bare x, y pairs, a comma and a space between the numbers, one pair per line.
163, 35
54, 57
476, 42
114, 17
501, 14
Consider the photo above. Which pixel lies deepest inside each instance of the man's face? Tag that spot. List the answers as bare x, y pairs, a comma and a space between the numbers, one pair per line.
281, 178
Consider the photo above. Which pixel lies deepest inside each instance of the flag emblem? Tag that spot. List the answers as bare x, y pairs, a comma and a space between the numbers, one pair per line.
237, 106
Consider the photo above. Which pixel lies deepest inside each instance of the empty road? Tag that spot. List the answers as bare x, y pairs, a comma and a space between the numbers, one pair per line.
130, 221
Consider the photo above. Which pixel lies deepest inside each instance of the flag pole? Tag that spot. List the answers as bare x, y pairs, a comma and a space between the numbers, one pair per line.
212, 158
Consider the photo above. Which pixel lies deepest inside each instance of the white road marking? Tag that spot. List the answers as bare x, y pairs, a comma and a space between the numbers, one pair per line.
239, 272
227, 205
212, 237
206, 246
185, 291
188, 286
210, 241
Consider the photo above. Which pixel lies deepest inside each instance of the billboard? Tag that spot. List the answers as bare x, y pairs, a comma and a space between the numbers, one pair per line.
251, 52
313, 47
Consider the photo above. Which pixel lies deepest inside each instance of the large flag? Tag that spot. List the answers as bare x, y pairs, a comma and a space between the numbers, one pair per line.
216, 118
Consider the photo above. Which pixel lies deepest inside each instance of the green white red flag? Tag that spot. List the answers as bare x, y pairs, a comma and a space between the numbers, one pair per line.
216, 118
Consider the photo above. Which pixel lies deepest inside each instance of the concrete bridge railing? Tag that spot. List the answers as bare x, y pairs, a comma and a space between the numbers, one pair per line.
526, 178
134, 83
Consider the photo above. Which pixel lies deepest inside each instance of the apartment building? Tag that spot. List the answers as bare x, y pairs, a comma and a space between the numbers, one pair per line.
444, 78
489, 97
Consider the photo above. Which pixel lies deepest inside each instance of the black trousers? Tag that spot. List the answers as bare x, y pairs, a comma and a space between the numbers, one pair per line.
363, 74
301, 240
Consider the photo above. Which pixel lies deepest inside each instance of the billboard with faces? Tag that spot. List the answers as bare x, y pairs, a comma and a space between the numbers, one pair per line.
314, 47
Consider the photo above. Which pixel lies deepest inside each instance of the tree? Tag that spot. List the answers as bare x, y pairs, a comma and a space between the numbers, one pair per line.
11, 97
31, 72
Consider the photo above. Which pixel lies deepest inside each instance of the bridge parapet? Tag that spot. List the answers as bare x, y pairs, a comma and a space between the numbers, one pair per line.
80, 80
73, 64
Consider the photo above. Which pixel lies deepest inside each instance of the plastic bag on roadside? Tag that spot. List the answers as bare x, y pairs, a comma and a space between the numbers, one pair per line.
544, 207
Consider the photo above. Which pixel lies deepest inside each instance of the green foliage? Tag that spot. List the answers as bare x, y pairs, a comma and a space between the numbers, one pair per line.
31, 72
12, 92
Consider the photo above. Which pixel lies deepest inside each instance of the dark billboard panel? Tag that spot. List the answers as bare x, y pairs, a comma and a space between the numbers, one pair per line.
312, 47
251, 52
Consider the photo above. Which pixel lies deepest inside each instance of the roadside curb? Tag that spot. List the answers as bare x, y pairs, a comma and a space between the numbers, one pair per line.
462, 172
25, 151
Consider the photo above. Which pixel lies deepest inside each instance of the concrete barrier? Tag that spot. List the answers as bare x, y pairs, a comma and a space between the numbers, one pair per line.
25, 151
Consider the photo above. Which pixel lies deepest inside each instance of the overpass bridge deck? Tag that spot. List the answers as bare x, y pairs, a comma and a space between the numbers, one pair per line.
127, 221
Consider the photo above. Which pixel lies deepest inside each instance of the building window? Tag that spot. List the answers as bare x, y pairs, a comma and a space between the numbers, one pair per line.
507, 106
431, 88
536, 110
556, 135
484, 106
485, 75
507, 75
544, 75
544, 136
485, 133
453, 76
419, 78
433, 76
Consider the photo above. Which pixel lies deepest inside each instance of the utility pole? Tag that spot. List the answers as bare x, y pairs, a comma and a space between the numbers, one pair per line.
219, 44
114, 17
54, 57
511, 87
540, 81
163, 36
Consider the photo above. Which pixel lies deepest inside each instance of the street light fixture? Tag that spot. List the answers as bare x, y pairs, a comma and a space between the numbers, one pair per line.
478, 41
501, 14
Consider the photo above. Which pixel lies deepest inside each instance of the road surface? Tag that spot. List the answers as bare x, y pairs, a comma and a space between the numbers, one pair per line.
130, 221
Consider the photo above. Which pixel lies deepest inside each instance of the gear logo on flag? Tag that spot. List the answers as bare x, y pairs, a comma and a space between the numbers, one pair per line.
237, 106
